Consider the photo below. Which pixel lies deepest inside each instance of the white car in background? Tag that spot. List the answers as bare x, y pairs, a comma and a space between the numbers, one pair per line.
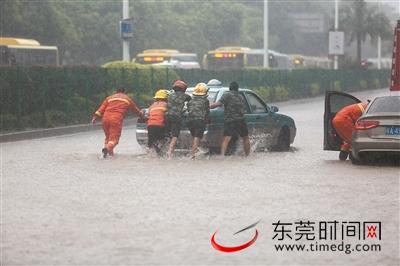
181, 61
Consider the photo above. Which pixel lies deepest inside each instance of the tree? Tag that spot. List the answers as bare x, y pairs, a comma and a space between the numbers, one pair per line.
360, 21
86, 32
43, 21
96, 24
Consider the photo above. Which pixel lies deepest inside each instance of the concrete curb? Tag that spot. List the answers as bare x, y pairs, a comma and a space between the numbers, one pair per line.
58, 131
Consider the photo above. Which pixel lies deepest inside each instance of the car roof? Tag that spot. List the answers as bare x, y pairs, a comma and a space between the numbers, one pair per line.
387, 96
383, 99
216, 89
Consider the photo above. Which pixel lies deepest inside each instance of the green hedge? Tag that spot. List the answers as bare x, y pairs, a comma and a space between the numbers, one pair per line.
40, 97
301, 83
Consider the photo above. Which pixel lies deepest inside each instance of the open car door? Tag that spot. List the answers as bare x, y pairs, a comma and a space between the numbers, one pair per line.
334, 102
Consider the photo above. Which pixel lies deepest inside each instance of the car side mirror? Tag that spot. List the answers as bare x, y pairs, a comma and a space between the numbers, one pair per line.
274, 109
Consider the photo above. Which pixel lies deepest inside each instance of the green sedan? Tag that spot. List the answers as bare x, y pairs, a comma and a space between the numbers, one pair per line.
268, 129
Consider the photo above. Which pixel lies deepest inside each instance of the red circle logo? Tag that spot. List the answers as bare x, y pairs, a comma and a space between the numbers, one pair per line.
235, 248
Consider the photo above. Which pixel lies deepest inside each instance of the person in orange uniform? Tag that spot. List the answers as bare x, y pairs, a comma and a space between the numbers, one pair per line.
156, 121
113, 110
344, 122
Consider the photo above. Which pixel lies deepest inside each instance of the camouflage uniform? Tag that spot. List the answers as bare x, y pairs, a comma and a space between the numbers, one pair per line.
234, 105
198, 108
235, 108
176, 102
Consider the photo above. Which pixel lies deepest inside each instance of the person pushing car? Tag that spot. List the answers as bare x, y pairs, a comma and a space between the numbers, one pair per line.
113, 110
344, 122
198, 110
156, 121
235, 123
176, 102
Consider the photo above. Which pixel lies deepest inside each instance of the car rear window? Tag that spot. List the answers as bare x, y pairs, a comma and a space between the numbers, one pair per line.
390, 104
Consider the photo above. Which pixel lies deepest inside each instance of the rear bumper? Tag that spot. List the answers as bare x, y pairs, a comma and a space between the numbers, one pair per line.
365, 144
184, 140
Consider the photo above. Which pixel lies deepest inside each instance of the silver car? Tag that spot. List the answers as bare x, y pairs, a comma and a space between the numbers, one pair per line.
377, 131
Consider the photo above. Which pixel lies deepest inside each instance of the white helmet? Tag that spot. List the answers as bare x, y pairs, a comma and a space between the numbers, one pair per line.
214, 83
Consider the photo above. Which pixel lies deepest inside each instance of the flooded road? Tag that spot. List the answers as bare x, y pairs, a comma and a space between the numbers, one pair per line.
61, 204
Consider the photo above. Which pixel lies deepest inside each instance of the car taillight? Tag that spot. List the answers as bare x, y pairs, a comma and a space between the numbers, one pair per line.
366, 124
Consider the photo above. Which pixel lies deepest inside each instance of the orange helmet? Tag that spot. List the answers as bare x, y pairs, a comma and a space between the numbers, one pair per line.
179, 85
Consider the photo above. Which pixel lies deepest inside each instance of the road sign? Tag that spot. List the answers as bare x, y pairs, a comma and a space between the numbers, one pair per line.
336, 42
126, 28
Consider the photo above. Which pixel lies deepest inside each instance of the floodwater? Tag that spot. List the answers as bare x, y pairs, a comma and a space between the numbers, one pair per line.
62, 205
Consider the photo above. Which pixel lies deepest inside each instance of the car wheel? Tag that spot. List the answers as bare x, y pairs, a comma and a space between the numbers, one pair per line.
283, 143
356, 161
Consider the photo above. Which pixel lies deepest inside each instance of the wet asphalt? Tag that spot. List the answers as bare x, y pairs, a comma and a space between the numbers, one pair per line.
62, 205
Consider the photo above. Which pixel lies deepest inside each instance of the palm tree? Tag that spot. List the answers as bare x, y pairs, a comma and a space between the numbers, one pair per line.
359, 21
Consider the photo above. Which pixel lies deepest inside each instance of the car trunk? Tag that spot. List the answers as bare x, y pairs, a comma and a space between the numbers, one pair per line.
142, 122
389, 127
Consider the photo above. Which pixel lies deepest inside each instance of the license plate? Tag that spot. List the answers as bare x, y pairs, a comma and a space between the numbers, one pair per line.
393, 131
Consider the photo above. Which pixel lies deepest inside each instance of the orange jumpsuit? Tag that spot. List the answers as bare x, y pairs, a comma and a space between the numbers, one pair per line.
345, 119
113, 110
156, 114
156, 123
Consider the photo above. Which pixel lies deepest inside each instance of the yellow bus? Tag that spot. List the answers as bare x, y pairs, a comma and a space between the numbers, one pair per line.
233, 57
168, 58
26, 52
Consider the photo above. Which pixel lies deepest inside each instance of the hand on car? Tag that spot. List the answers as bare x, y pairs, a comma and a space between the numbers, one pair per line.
141, 114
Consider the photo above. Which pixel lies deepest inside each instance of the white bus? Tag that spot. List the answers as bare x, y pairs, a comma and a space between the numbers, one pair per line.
26, 52
168, 58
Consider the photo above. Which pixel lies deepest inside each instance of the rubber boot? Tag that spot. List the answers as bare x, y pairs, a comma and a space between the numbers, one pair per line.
344, 151
110, 148
105, 152
343, 155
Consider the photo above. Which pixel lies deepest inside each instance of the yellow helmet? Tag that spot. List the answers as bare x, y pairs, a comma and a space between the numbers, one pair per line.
201, 89
161, 94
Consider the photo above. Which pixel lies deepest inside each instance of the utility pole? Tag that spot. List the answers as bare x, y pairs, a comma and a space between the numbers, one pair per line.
379, 43
335, 58
125, 42
266, 63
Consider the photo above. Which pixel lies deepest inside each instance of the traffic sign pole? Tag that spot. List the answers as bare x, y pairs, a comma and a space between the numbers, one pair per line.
265, 61
335, 59
125, 41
